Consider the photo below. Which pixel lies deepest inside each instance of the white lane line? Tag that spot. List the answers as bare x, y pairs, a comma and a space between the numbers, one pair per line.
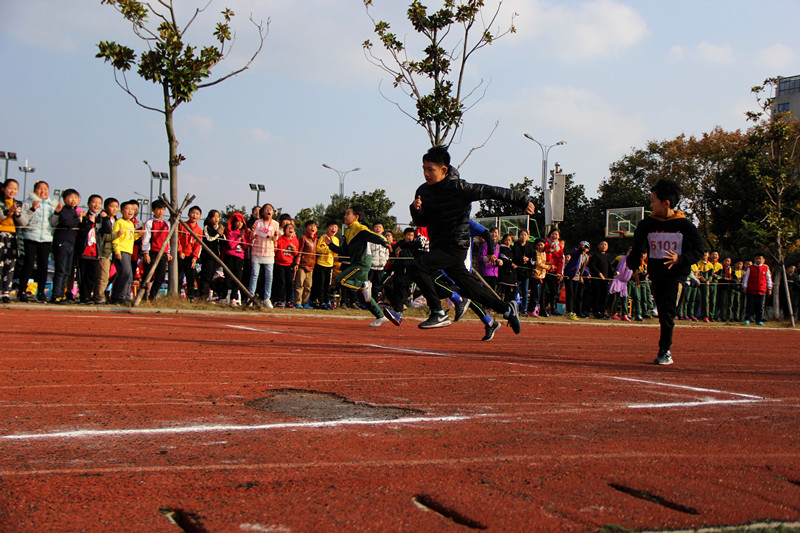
206, 429
688, 404
253, 329
408, 350
687, 387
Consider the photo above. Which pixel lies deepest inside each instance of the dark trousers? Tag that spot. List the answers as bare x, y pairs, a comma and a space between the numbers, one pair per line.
537, 293
235, 265
121, 292
754, 309
376, 278
666, 293
321, 284
282, 284
208, 268
550, 295
62, 257
158, 276
8, 262
574, 293
451, 259
38, 252
186, 270
599, 296
87, 277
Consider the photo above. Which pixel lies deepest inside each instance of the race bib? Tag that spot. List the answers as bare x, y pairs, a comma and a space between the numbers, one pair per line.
661, 243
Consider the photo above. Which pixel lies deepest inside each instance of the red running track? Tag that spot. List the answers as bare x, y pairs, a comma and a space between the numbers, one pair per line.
112, 417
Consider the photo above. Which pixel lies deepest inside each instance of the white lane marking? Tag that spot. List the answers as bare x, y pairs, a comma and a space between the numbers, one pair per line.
253, 329
687, 387
688, 404
409, 350
205, 429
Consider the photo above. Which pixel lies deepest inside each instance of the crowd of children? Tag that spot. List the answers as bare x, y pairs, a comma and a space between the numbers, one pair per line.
106, 244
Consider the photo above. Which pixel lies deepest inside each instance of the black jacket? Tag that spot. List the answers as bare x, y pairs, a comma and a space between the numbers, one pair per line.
446, 206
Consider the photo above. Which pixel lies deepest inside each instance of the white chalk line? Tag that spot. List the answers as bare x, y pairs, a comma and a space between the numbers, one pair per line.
688, 387
688, 404
407, 350
247, 328
394, 463
88, 433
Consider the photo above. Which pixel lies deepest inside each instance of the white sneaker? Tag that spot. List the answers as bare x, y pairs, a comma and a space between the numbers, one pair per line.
379, 322
235, 303
367, 291
268, 303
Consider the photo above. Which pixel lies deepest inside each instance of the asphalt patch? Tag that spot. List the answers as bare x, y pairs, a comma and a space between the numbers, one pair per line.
315, 405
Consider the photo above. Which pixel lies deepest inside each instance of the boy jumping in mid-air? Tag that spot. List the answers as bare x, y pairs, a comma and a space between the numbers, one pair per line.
354, 246
443, 204
672, 244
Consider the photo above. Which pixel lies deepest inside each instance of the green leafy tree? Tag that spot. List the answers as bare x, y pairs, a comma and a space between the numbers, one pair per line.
316, 213
178, 68
775, 166
376, 206
435, 80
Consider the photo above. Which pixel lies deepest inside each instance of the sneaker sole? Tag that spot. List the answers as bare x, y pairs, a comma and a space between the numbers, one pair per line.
442, 324
394, 320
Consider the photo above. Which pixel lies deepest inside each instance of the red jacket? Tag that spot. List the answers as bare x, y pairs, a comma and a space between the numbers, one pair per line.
759, 280
283, 255
187, 245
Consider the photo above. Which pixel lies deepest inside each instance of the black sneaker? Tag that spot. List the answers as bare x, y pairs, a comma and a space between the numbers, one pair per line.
22, 297
491, 329
460, 309
512, 315
664, 358
435, 321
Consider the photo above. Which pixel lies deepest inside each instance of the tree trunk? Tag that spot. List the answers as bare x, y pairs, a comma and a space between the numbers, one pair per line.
173, 192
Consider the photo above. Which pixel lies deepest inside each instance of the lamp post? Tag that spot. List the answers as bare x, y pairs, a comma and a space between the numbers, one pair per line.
341, 174
545, 150
160, 176
10, 156
258, 188
26, 169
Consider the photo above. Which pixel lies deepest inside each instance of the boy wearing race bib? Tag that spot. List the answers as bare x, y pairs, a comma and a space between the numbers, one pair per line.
672, 244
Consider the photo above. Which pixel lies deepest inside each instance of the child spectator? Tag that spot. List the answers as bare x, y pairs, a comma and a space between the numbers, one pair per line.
521, 253
724, 291
539, 272
9, 217
713, 286
487, 259
321, 281
155, 239
122, 244
672, 244
619, 290
737, 290
600, 270
263, 234
233, 250
38, 238
285, 252
104, 231
189, 249
574, 274
757, 283
380, 256
304, 263
705, 272
213, 237
639, 291
554, 248
355, 247
86, 249
65, 220
506, 275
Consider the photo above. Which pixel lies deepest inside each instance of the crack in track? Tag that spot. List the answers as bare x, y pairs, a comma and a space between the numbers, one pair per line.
650, 497
427, 503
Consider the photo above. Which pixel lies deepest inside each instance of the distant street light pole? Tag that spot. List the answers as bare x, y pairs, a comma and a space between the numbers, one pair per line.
545, 151
10, 156
26, 169
160, 176
341, 177
258, 188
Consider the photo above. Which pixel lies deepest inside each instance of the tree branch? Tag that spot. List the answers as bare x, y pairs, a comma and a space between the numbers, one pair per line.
263, 31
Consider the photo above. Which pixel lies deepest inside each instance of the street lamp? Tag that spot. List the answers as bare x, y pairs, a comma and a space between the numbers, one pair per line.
259, 188
26, 169
160, 176
10, 156
341, 177
545, 150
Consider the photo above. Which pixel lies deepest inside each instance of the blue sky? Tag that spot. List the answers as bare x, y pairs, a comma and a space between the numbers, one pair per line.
605, 76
